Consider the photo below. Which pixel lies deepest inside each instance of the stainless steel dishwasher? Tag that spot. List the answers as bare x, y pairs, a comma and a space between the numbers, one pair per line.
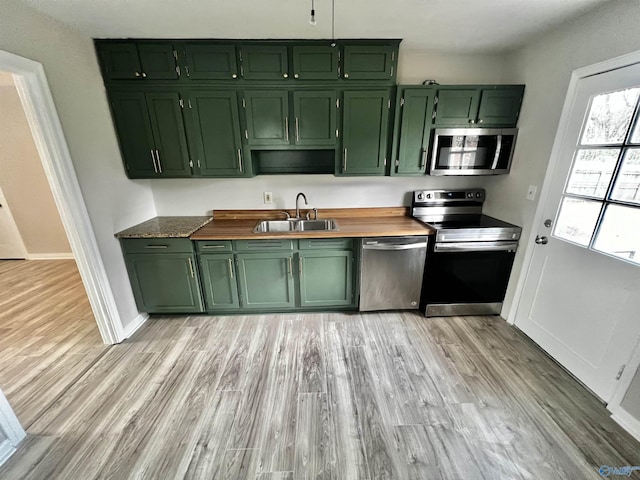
391, 272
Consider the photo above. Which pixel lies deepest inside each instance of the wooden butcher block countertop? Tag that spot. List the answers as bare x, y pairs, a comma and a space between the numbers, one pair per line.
352, 222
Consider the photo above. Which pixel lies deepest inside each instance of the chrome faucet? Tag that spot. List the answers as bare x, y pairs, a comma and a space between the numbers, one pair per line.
297, 207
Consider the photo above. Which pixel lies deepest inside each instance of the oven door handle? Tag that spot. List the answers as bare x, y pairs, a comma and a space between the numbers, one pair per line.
476, 247
394, 246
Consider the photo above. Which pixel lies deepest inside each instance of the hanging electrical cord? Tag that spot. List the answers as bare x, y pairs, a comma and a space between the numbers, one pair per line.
333, 23
312, 20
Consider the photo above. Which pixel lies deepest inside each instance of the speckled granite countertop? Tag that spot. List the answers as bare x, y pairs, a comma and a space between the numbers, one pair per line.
165, 227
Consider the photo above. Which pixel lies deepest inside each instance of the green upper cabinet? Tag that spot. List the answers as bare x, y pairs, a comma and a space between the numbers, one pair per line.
135, 135
267, 117
266, 280
315, 62
218, 282
326, 278
412, 130
500, 106
364, 132
264, 62
172, 155
164, 282
151, 133
457, 107
369, 62
215, 131
315, 117
210, 61
140, 60
482, 106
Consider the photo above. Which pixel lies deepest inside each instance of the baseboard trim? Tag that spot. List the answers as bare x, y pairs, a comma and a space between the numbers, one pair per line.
6, 450
50, 256
627, 421
134, 326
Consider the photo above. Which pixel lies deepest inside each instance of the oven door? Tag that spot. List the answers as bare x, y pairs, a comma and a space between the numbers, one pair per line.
472, 151
467, 278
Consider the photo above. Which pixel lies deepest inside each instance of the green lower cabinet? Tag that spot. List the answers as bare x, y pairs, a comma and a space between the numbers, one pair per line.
164, 282
219, 282
326, 278
266, 280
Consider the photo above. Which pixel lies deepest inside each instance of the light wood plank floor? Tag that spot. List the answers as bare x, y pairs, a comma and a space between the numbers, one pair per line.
332, 396
48, 335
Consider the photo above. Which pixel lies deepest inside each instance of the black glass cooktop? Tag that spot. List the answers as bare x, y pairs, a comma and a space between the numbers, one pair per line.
476, 221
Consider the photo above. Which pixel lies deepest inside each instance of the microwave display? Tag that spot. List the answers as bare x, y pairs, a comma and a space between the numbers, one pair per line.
472, 151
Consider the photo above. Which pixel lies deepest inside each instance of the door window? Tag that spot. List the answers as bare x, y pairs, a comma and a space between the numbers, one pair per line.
600, 207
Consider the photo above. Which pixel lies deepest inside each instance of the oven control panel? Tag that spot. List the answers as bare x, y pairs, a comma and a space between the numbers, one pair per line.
426, 197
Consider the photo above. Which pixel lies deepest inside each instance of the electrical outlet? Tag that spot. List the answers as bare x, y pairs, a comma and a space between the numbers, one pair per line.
531, 192
267, 197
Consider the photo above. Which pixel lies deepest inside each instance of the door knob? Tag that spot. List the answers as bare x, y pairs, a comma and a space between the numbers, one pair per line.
541, 240
548, 222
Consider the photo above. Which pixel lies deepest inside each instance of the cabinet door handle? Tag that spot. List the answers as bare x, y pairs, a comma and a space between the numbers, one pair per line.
240, 161
153, 159
213, 246
300, 264
159, 163
230, 267
344, 160
297, 130
286, 128
186, 70
289, 267
156, 246
191, 268
424, 158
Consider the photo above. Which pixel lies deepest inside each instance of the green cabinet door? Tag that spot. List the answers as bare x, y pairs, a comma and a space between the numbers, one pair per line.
315, 62
315, 117
219, 282
172, 156
457, 107
266, 280
158, 61
412, 131
369, 62
205, 61
164, 282
500, 107
216, 133
120, 60
326, 278
135, 135
364, 132
267, 117
264, 62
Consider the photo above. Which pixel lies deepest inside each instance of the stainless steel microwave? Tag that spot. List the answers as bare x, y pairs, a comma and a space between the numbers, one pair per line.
472, 151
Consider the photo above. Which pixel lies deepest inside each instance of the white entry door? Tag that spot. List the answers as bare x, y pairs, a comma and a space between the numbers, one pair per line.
11, 245
581, 296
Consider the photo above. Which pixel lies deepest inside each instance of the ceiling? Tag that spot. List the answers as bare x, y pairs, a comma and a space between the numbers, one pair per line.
460, 26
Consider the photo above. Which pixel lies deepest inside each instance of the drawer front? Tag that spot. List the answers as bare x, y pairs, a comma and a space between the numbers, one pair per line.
263, 245
214, 246
156, 245
326, 243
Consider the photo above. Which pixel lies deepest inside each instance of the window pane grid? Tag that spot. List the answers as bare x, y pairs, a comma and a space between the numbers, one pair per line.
603, 186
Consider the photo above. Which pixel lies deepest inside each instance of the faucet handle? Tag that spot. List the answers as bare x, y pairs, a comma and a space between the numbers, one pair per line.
287, 215
315, 214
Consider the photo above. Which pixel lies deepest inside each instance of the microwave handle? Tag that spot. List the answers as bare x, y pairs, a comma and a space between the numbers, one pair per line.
496, 157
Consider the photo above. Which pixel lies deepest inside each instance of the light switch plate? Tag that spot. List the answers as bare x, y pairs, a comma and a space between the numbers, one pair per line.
267, 197
531, 192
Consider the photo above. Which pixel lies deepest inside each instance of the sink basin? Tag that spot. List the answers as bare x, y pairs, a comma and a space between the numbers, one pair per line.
265, 226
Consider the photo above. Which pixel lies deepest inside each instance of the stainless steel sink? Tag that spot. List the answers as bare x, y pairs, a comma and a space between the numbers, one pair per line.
294, 225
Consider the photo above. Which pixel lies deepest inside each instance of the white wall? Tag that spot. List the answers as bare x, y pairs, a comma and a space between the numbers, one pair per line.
69, 61
24, 182
545, 66
200, 196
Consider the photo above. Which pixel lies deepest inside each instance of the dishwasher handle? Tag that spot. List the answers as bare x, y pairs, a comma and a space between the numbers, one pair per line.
393, 246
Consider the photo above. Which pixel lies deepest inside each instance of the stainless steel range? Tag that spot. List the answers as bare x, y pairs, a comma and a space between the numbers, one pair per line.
469, 263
